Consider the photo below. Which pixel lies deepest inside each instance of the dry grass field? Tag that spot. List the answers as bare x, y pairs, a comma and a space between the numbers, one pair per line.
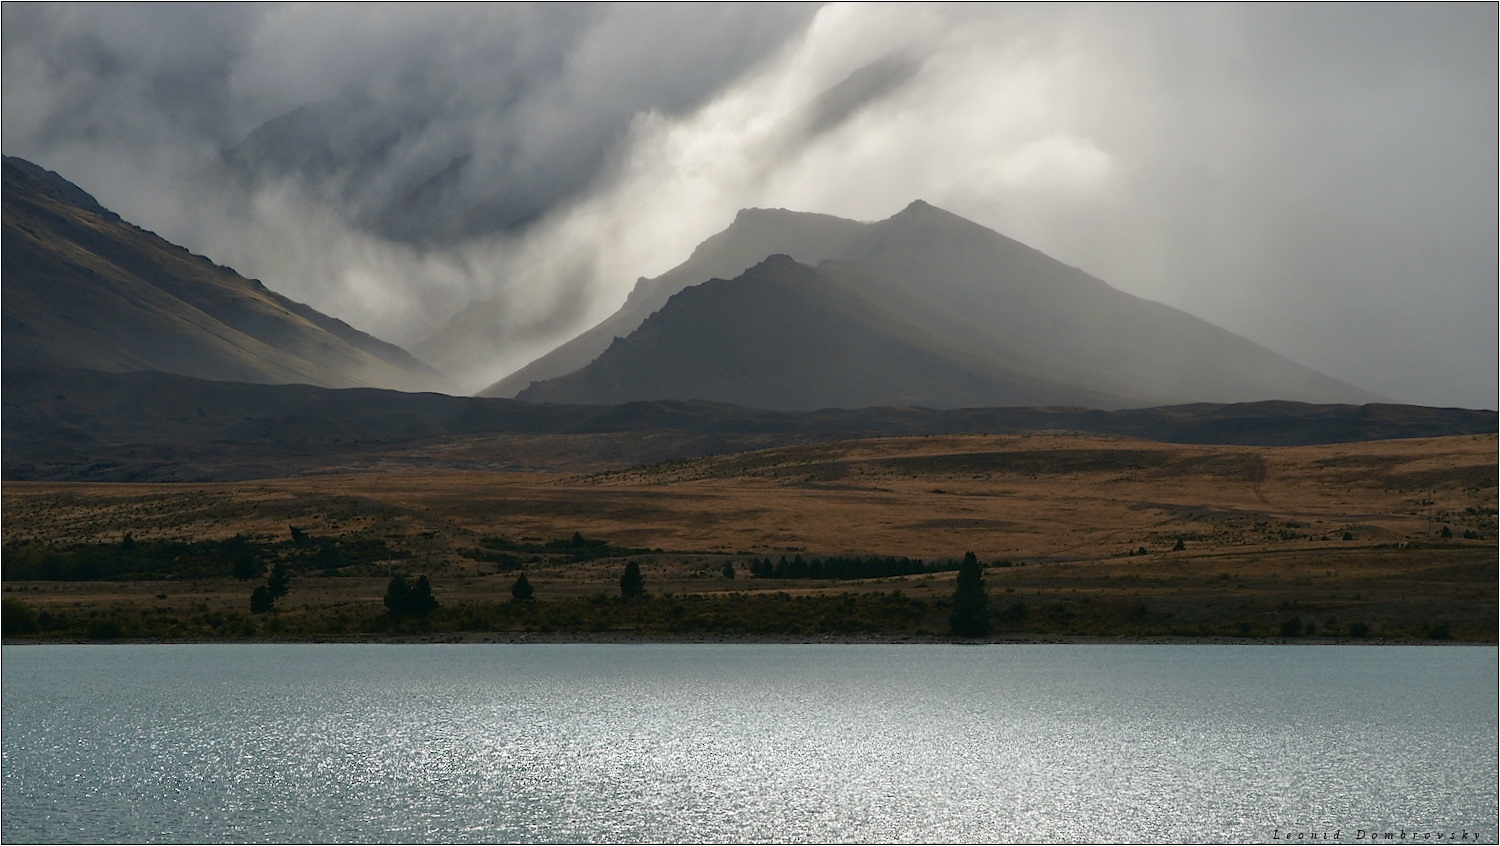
1397, 537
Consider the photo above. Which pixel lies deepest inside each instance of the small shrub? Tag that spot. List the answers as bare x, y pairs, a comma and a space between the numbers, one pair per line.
104, 630
1292, 627
17, 617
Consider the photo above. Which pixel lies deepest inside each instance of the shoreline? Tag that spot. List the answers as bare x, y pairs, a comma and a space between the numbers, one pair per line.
661, 638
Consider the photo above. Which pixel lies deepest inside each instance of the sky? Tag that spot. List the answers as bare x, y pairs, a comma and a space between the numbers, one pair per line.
1319, 178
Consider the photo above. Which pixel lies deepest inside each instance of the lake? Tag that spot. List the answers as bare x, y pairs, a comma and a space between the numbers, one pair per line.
747, 742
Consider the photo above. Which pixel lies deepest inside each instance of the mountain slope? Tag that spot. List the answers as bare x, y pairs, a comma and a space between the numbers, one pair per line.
84, 289
754, 235
927, 308
788, 336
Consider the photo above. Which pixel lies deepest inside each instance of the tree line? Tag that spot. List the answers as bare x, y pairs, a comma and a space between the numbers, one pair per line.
239, 557
838, 567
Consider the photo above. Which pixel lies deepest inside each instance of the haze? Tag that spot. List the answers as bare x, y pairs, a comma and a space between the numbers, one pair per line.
1320, 179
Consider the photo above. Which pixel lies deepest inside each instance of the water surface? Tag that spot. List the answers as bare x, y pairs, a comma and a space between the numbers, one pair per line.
860, 743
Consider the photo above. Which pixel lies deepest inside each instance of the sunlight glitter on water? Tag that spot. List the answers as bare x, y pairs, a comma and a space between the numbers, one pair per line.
600, 743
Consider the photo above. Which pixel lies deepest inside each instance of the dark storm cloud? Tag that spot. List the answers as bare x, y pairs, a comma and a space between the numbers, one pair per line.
341, 151
481, 119
119, 72
1320, 178
416, 122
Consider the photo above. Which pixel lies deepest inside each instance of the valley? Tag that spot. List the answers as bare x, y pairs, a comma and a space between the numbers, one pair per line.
797, 432
1081, 535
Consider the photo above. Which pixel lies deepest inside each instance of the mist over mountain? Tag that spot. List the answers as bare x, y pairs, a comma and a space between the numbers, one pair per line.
85, 289
1318, 178
926, 308
754, 235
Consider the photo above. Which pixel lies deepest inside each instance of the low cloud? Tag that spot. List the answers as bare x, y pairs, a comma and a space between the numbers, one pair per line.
1320, 179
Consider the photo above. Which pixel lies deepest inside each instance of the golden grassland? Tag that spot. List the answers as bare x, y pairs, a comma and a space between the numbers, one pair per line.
1397, 538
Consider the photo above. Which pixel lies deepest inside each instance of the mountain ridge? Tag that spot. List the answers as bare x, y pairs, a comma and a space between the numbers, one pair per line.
84, 288
754, 234
954, 313
80, 425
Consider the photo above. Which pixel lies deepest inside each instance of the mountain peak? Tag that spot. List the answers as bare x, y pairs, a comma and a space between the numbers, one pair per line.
925, 212
753, 212
922, 308
756, 216
776, 260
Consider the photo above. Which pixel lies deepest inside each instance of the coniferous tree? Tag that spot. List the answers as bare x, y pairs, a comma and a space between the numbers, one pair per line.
632, 584
247, 566
405, 599
397, 591
279, 582
971, 602
522, 591
261, 600
420, 601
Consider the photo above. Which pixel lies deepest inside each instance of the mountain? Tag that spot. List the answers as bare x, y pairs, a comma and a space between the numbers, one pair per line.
85, 289
755, 234
926, 308
79, 425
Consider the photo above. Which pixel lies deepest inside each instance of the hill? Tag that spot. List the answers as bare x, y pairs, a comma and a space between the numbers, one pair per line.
926, 308
86, 425
85, 289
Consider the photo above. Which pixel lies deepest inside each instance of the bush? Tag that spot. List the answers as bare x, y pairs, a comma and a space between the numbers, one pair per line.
522, 591
105, 630
17, 617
